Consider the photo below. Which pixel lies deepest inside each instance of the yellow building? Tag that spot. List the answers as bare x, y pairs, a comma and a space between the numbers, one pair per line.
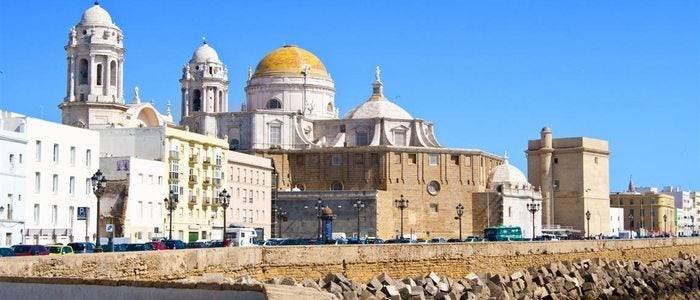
195, 174
648, 213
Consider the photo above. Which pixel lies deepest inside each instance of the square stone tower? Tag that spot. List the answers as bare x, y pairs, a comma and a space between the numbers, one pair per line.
573, 174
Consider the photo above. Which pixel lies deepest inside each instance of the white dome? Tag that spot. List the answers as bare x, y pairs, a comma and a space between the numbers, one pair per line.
378, 109
204, 53
96, 15
507, 173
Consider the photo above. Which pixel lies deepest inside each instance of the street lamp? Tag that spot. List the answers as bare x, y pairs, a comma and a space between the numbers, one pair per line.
533, 207
460, 212
224, 200
665, 228
171, 205
588, 220
359, 205
98, 186
401, 204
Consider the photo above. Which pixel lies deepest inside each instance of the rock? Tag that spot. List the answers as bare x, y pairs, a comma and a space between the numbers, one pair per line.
385, 279
288, 281
311, 284
391, 292
366, 295
350, 295
434, 277
430, 289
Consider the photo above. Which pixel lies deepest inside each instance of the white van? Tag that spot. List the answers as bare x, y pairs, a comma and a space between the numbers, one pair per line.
241, 237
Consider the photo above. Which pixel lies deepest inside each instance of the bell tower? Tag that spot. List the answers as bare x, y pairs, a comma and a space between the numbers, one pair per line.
95, 71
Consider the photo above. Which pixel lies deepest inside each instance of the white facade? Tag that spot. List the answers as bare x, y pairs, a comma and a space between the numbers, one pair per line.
250, 186
517, 194
144, 212
13, 151
685, 203
58, 162
617, 218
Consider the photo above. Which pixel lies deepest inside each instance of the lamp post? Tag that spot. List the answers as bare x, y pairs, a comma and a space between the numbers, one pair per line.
281, 216
588, 220
98, 186
533, 207
171, 205
402, 204
460, 211
665, 228
224, 200
359, 205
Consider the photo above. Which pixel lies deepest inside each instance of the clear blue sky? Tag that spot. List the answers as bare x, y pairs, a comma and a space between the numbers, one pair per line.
488, 74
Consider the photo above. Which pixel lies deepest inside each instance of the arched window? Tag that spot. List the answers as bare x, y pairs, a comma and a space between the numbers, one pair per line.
99, 74
274, 104
196, 100
83, 71
113, 73
329, 107
221, 101
336, 186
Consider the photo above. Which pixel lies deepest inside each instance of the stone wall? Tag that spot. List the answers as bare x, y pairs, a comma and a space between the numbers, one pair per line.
357, 262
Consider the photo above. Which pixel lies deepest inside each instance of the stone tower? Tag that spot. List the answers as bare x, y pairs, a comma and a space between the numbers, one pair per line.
573, 174
204, 90
94, 74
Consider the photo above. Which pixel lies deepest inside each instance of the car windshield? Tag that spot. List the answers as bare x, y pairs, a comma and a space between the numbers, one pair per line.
54, 250
77, 246
22, 248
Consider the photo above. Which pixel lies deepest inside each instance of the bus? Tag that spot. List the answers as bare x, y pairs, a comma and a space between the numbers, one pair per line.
503, 233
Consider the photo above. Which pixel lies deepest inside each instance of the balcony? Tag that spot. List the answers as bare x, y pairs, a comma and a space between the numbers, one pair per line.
174, 155
174, 177
207, 181
193, 200
207, 161
207, 201
193, 179
194, 158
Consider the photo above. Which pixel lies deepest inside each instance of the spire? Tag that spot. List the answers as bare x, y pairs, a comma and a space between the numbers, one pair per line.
137, 98
377, 86
505, 156
167, 108
204, 40
630, 186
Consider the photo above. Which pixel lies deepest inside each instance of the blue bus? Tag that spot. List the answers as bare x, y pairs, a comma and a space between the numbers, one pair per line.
503, 233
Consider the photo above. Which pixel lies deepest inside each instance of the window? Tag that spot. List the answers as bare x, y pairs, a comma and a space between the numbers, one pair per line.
140, 209
433, 188
433, 159
55, 153
38, 151
336, 186
88, 186
72, 155
595, 160
361, 138
275, 135
150, 179
83, 71
412, 158
510, 211
88, 158
455, 159
37, 182
71, 185
359, 159
54, 186
336, 160
113, 73
20, 158
12, 159
54, 215
433, 207
71, 215
160, 180
556, 160
36, 214
556, 185
400, 138
196, 100
140, 178
274, 104
99, 74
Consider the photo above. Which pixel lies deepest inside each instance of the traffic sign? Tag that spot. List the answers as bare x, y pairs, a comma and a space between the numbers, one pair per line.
82, 213
109, 228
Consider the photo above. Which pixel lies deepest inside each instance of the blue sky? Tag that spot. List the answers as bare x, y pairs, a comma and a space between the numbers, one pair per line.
488, 74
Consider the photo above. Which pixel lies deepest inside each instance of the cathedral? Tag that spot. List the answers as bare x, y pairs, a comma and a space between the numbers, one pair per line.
376, 153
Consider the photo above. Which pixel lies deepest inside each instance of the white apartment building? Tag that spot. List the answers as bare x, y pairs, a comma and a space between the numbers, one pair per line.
58, 163
135, 198
13, 149
617, 219
249, 185
684, 202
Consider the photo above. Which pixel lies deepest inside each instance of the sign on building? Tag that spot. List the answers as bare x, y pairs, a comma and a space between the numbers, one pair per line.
109, 228
123, 165
82, 213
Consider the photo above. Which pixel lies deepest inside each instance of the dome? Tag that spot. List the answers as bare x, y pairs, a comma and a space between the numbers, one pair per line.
326, 211
96, 15
507, 173
205, 53
378, 109
290, 60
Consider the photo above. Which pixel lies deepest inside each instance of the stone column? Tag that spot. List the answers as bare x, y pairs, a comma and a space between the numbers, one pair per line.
105, 82
91, 76
71, 79
120, 89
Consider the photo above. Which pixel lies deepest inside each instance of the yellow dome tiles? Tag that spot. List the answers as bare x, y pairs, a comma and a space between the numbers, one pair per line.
290, 60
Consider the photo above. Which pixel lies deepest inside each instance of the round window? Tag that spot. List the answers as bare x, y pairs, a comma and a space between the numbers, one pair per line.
433, 188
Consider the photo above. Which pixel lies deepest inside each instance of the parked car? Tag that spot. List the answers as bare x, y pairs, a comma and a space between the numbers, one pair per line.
216, 244
59, 249
438, 240
374, 241
399, 241
158, 245
472, 239
27, 250
272, 242
6, 251
453, 240
196, 245
297, 242
174, 244
139, 247
82, 247
114, 248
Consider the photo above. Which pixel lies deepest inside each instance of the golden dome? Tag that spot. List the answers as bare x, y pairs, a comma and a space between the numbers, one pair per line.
290, 60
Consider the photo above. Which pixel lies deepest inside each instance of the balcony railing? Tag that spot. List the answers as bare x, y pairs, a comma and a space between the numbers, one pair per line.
207, 181
207, 201
193, 179
207, 161
193, 200
174, 177
194, 158
174, 155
